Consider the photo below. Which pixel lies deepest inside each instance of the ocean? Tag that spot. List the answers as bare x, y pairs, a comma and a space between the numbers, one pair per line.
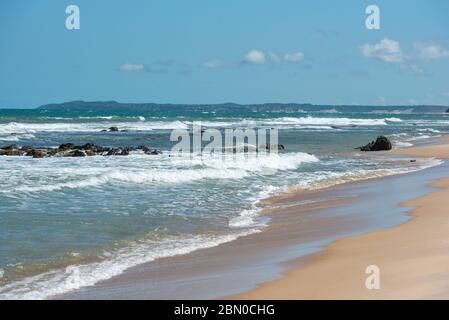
104, 215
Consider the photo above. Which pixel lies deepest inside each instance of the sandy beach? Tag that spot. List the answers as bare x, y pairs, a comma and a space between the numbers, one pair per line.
413, 257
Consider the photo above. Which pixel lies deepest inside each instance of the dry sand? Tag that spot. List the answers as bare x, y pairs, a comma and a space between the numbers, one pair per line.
413, 258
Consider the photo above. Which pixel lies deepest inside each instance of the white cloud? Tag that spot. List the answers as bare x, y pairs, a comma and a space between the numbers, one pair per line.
255, 57
386, 50
259, 57
389, 50
293, 57
381, 99
430, 51
214, 64
412, 67
133, 67
274, 57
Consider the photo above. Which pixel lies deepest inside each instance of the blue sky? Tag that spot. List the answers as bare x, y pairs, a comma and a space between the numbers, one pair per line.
205, 51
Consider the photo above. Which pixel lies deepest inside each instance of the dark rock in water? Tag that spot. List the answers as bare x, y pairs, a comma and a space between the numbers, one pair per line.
144, 148
245, 149
111, 152
90, 153
153, 152
104, 130
52, 152
26, 148
92, 149
66, 146
447, 111
10, 147
75, 153
147, 150
70, 150
35, 153
382, 143
118, 152
113, 129
413, 161
11, 152
100, 149
274, 146
78, 153
87, 146
38, 154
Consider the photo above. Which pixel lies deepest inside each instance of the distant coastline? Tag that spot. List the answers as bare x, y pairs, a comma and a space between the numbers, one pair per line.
82, 105
306, 107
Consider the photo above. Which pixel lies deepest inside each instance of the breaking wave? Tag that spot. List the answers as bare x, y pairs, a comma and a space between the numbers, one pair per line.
182, 171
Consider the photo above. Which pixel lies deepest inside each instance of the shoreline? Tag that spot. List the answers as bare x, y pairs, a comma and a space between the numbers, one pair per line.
412, 256
272, 252
273, 270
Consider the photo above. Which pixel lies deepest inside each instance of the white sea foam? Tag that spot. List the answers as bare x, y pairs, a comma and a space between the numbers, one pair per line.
136, 177
333, 110
420, 137
397, 111
244, 123
311, 127
24, 128
246, 218
402, 144
250, 218
250, 162
307, 122
393, 120
330, 121
399, 135
16, 137
219, 124
141, 118
97, 117
94, 172
57, 282
429, 130
325, 179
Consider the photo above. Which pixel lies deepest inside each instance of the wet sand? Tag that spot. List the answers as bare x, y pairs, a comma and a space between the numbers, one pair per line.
287, 260
413, 258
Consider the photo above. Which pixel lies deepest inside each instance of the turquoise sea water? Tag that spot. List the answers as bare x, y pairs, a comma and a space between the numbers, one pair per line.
106, 214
